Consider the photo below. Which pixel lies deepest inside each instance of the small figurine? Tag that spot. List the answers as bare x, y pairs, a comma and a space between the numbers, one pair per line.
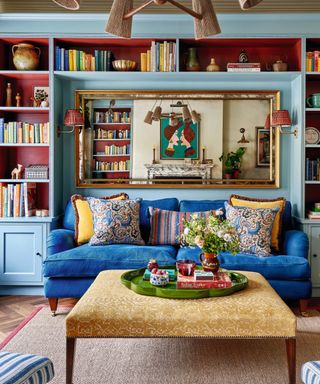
152, 264
17, 172
243, 57
18, 100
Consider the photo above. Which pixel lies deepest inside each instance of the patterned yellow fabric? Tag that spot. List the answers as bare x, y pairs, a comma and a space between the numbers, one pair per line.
109, 309
280, 203
84, 218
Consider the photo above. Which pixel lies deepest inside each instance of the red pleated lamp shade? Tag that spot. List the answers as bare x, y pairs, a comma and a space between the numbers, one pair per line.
281, 118
267, 122
73, 117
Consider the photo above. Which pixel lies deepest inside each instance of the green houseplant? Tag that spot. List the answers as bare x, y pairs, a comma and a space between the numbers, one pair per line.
232, 163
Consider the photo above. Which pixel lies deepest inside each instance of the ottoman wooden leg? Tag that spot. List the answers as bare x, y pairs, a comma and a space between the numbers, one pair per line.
291, 356
71, 345
303, 306
53, 303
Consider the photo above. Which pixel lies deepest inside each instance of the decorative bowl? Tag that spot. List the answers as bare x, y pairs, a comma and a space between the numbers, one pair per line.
186, 267
159, 280
124, 65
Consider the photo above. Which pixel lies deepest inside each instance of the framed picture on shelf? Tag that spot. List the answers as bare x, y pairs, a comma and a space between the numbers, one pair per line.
40, 96
262, 147
178, 142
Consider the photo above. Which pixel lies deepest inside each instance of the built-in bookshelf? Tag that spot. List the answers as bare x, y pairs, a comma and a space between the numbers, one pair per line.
112, 143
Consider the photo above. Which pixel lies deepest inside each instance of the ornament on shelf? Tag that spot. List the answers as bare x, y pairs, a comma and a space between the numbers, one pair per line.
18, 100
17, 172
9, 95
213, 66
243, 57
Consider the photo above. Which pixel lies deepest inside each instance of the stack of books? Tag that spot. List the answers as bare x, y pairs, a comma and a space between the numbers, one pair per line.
314, 214
161, 57
17, 200
312, 61
18, 132
204, 280
243, 67
75, 60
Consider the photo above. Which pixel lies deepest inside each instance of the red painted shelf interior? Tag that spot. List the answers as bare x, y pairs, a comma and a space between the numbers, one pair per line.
24, 84
126, 49
6, 44
263, 50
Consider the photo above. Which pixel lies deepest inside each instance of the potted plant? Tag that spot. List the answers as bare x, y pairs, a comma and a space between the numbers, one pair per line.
212, 235
232, 163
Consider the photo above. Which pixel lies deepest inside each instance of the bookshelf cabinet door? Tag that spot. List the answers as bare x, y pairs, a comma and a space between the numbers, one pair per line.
21, 252
315, 255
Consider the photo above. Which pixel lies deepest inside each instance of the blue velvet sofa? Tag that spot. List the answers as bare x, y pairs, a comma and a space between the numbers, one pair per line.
69, 269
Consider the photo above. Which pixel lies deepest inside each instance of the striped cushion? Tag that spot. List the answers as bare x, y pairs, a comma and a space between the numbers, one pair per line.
167, 226
310, 372
16, 368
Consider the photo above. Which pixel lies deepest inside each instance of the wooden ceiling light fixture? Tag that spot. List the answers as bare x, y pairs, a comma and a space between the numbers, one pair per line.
72, 5
205, 19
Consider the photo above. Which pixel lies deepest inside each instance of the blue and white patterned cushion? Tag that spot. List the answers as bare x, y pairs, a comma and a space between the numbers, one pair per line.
115, 222
16, 368
310, 372
254, 227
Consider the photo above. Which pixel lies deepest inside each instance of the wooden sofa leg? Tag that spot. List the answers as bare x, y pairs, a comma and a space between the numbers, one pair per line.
303, 306
53, 303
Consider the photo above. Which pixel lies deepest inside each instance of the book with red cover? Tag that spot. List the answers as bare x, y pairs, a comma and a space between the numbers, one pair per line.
220, 280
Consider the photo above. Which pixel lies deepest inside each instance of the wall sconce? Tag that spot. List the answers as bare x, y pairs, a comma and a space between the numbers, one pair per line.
149, 116
243, 139
282, 119
72, 118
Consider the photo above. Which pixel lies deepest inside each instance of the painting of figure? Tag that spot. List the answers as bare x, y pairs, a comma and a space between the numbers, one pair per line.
180, 141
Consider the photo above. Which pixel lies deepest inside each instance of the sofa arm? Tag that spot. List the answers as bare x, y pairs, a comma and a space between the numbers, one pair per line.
296, 243
60, 240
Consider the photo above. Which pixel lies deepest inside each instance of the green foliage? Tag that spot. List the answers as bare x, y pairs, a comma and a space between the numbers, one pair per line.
212, 235
232, 160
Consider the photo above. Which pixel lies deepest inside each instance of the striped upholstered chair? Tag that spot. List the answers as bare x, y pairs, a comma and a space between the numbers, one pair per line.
310, 372
16, 368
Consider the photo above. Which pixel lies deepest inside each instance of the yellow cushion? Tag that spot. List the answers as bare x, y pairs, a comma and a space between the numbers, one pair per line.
84, 219
280, 202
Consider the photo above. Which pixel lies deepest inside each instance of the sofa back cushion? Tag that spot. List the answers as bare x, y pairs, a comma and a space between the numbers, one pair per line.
201, 205
69, 218
170, 204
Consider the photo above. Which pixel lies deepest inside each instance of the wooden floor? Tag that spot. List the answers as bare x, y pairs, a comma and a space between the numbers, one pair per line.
14, 309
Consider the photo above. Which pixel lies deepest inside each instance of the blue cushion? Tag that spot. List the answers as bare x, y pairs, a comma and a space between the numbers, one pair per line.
170, 204
69, 218
310, 372
86, 260
26, 369
201, 205
279, 267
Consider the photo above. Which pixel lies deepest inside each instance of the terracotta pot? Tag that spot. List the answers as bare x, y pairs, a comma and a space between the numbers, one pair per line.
209, 261
26, 56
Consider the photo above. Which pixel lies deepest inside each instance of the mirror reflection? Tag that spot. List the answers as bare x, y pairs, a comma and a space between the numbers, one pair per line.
177, 138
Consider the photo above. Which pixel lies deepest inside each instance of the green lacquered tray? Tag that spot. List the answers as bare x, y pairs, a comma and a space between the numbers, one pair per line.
134, 281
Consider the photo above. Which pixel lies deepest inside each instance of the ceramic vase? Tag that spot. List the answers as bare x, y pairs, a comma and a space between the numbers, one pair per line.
26, 57
192, 63
213, 67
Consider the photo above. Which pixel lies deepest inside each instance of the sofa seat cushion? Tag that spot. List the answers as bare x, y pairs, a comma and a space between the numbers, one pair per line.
85, 260
280, 267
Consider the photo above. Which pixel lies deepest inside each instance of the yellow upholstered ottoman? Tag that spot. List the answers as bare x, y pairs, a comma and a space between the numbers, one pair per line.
109, 309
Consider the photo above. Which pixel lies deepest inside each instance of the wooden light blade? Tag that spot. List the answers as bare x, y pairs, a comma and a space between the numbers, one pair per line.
208, 25
185, 9
116, 24
246, 4
72, 5
134, 11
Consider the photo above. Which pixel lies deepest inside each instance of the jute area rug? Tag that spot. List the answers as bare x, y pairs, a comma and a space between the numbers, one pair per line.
165, 361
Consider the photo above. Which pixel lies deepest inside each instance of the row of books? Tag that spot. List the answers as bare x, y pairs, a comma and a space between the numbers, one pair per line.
18, 132
112, 117
313, 169
243, 67
115, 134
117, 149
313, 61
161, 57
17, 200
112, 166
75, 60
206, 281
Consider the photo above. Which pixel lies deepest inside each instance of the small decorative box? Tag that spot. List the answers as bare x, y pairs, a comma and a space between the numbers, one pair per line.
203, 275
37, 171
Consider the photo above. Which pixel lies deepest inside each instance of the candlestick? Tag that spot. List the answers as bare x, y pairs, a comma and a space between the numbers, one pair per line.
203, 155
154, 155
